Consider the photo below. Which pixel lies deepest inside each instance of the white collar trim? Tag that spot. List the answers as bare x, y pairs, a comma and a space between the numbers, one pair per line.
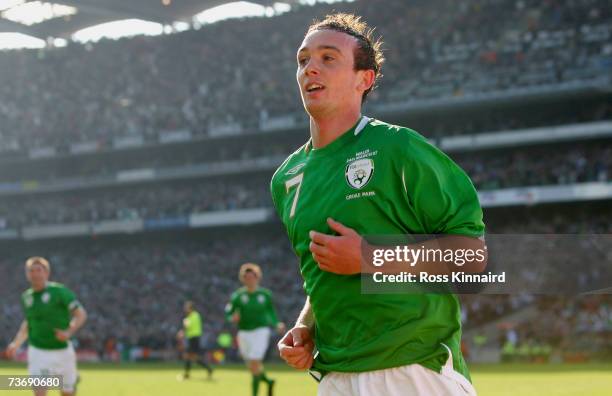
364, 121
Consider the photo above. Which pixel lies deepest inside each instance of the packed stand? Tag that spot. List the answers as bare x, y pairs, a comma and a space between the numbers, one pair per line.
134, 287
539, 166
243, 71
279, 144
170, 200
135, 292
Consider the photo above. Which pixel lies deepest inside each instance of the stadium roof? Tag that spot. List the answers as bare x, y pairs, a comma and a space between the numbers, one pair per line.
88, 13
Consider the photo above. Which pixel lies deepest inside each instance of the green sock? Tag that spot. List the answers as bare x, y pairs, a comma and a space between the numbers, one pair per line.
264, 377
255, 384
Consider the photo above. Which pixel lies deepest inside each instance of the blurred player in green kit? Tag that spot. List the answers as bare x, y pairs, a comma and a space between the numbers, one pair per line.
52, 316
252, 309
360, 176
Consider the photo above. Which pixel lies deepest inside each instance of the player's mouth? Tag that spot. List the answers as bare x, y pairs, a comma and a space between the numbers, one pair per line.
313, 87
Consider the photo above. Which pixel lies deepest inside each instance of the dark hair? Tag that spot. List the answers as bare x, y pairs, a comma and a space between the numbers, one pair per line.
368, 54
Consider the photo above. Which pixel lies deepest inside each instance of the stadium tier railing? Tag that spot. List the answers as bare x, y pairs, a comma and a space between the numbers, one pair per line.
495, 198
514, 138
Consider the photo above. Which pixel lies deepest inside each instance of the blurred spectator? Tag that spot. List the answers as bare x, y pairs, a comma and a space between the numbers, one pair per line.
239, 72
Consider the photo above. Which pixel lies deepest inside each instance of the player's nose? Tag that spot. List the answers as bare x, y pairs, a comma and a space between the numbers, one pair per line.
311, 68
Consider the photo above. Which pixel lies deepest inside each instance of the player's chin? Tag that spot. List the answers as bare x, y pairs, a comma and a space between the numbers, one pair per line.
313, 106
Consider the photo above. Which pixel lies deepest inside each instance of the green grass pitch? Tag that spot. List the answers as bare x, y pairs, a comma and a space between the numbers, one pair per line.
149, 379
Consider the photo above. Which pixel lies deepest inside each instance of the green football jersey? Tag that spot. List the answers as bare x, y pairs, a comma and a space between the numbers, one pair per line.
256, 309
47, 310
193, 325
378, 179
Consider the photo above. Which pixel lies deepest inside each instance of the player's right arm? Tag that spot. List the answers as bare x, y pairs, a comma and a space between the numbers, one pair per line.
297, 346
20, 338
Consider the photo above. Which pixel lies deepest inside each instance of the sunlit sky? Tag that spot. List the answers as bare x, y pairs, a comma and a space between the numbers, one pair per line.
33, 12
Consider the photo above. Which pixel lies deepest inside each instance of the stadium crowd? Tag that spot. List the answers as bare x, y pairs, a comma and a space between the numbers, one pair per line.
134, 292
489, 170
133, 288
245, 75
279, 144
536, 166
580, 328
149, 202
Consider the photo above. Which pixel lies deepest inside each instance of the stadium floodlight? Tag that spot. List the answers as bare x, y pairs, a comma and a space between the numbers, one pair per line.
12, 40
35, 12
238, 9
118, 29
313, 2
6, 4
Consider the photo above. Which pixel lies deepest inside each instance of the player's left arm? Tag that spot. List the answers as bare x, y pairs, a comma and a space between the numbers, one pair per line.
280, 326
79, 317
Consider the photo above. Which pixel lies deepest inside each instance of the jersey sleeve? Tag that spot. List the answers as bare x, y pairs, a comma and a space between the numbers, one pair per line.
22, 302
70, 300
273, 193
231, 307
271, 310
278, 193
443, 196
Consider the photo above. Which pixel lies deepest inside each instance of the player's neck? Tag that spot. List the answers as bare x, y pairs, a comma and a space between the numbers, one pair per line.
39, 287
251, 289
325, 130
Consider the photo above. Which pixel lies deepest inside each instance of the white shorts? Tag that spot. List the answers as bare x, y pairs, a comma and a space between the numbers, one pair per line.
253, 344
54, 362
410, 380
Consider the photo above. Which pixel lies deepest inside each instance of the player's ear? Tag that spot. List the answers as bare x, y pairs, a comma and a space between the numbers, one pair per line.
365, 79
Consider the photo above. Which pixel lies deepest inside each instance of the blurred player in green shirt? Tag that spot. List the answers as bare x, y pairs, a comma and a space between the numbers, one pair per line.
358, 176
251, 308
192, 333
52, 316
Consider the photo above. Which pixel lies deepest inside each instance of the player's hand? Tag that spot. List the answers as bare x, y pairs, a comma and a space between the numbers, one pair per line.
236, 317
281, 328
11, 349
338, 254
296, 348
62, 335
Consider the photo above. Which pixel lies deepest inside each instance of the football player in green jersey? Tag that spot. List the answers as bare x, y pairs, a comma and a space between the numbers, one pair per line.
252, 309
52, 316
192, 333
358, 176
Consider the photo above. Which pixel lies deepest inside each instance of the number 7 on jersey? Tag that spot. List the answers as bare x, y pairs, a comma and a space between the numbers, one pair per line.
296, 180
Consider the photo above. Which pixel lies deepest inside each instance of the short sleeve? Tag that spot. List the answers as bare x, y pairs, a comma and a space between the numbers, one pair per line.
230, 307
272, 309
443, 196
70, 299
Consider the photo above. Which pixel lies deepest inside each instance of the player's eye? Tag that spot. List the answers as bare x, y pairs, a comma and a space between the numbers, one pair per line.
328, 58
302, 61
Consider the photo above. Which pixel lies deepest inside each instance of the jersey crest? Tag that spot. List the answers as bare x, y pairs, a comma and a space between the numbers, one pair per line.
359, 172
